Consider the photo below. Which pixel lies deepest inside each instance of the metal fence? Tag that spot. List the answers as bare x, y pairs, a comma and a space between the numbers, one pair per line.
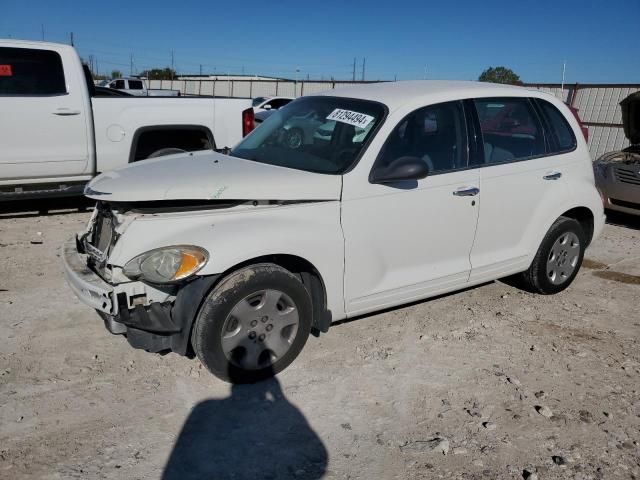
598, 104
250, 88
599, 108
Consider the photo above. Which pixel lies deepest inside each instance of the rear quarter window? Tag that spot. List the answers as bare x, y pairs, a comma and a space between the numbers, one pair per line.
25, 71
561, 134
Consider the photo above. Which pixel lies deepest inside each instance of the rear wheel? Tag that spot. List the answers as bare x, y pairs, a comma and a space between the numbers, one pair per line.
558, 259
253, 324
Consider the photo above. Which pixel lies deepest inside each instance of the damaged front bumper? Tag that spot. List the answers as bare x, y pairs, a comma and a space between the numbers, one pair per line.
155, 327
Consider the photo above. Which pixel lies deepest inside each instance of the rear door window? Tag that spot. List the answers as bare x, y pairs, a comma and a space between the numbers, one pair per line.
279, 102
135, 84
26, 71
561, 134
510, 129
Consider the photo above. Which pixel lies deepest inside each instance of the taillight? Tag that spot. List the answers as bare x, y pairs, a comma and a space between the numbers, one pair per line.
248, 123
585, 130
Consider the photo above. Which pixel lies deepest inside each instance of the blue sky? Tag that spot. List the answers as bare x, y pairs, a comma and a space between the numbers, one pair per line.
408, 39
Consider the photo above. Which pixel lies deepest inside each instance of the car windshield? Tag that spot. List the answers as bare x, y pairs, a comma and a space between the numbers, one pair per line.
316, 134
257, 101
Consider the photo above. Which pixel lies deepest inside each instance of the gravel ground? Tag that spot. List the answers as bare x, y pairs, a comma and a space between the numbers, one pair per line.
491, 382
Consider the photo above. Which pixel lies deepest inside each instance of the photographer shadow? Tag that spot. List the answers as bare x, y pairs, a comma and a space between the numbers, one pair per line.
255, 433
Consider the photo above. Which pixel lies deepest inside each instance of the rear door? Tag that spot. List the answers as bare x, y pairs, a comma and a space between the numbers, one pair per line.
43, 124
522, 184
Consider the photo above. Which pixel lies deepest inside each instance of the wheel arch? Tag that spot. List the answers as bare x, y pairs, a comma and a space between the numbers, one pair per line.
308, 274
585, 217
139, 136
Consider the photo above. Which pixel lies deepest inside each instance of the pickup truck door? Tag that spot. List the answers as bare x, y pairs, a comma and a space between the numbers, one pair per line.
409, 240
44, 124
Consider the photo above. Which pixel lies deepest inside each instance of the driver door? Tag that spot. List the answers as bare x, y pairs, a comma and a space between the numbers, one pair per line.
408, 240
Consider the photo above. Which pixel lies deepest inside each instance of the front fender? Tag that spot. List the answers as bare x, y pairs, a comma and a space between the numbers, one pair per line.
307, 230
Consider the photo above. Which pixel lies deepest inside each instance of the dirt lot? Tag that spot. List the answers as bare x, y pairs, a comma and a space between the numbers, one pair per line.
486, 383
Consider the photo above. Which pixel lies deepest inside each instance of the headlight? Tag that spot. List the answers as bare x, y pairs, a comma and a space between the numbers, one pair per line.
167, 264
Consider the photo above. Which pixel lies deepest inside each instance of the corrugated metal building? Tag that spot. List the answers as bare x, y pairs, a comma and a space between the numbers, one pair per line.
599, 109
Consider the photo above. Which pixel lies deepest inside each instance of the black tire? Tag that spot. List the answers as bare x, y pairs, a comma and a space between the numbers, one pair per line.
166, 151
536, 279
207, 334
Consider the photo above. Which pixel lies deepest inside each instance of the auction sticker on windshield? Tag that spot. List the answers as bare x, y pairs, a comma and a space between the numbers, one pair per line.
5, 71
352, 118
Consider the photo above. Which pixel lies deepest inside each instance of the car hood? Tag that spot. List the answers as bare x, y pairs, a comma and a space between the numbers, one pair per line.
211, 176
631, 117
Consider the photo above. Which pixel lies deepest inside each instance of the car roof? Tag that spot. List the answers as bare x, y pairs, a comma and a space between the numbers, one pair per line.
396, 94
33, 43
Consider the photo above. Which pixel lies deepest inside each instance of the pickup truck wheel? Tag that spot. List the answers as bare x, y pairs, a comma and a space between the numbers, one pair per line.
166, 151
558, 259
253, 324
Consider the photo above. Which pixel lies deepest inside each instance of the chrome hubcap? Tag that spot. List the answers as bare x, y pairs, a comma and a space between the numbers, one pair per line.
563, 258
260, 329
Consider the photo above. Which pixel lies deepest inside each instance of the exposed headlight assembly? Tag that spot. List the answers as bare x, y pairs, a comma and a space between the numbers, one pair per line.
167, 264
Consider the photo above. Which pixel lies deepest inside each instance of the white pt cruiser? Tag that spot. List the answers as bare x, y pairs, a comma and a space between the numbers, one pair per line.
409, 190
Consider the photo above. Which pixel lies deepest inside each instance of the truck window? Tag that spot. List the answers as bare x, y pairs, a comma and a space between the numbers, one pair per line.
118, 84
135, 84
26, 71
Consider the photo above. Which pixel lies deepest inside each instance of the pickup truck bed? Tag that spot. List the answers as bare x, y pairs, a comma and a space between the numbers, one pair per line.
56, 134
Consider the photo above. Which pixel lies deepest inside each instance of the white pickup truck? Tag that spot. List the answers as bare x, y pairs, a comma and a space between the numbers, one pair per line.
56, 133
138, 88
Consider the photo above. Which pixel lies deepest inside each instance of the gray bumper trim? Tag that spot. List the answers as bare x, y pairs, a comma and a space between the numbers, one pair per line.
89, 287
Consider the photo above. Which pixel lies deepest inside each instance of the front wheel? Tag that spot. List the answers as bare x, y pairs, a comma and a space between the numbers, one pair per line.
253, 324
558, 259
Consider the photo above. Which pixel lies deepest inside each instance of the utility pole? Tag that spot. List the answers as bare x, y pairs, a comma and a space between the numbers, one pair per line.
564, 68
353, 77
131, 65
364, 60
200, 69
172, 64
71, 38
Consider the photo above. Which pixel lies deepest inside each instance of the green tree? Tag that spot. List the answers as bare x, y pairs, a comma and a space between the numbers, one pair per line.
500, 75
160, 74
116, 74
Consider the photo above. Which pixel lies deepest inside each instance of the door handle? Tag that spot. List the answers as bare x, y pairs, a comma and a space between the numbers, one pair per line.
65, 112
552, 176
466, 192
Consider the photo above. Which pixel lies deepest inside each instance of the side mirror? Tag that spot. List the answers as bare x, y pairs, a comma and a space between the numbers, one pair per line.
401, 169
267, 107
